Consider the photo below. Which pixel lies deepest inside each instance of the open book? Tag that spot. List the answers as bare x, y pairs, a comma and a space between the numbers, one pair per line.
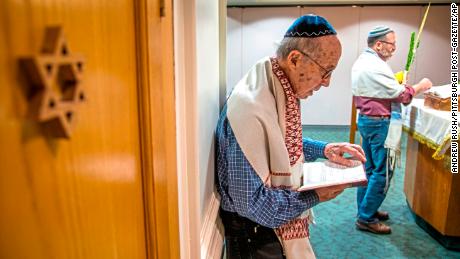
326, 173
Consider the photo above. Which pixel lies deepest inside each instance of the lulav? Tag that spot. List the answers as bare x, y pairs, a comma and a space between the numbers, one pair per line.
415, 42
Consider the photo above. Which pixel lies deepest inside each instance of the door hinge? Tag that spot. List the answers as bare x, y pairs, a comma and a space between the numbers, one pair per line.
162, 8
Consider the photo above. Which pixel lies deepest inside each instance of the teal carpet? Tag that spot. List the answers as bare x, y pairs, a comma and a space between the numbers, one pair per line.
335, 236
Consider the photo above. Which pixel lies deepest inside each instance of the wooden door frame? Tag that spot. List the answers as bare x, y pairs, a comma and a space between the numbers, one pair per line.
157, 123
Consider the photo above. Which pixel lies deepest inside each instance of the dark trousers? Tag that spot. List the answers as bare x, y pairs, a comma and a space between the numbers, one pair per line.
245, 239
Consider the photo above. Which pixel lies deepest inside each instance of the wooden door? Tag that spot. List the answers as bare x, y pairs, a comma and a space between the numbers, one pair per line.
81, 197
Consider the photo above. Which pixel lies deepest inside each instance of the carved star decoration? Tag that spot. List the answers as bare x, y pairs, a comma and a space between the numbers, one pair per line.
54, 77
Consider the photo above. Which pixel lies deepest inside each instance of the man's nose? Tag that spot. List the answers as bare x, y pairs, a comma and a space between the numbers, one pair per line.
326, 82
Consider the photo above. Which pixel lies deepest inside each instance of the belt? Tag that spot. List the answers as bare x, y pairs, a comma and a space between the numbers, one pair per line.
237, 226
376, 116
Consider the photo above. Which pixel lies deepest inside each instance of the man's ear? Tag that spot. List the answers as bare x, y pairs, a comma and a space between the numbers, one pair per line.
293, 59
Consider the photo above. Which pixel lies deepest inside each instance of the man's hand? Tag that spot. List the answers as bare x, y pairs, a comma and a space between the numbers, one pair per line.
425, 84
422, 86
328, 193
335, 151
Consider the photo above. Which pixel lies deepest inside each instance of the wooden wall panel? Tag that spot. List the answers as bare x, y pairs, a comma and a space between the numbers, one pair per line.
82, 197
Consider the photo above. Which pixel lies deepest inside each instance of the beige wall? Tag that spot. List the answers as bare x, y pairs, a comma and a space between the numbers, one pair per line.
253, 33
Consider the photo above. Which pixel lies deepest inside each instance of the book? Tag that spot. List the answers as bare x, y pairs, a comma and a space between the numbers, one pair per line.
327, 173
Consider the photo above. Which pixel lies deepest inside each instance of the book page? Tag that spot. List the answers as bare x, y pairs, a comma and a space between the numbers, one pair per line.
322, 174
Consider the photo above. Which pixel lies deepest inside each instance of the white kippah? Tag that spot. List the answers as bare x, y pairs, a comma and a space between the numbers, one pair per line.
379, 31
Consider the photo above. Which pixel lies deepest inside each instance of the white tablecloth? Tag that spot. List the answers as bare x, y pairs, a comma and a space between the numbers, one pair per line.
428, 126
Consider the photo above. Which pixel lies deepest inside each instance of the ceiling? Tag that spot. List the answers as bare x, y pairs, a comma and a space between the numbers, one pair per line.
328, 2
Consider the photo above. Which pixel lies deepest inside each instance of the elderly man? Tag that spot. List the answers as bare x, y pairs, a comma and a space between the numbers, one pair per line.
377, 94
260, 149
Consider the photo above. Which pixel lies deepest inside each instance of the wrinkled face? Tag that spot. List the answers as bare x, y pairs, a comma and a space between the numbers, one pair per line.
308, 71
385, 48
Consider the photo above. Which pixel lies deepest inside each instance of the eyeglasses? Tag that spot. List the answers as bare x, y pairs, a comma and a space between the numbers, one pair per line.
327, 73
387, 42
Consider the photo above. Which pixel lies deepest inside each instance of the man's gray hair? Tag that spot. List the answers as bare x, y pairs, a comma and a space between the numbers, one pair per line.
377, 33
288, 44
371, 41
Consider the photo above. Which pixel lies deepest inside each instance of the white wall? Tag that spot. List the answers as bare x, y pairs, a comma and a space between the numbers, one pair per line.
200, 90
433, 57
186, 127
252, 33
234, 42
332, 105
207, 54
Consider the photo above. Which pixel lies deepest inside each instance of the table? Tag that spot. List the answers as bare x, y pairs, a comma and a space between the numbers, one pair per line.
432, 191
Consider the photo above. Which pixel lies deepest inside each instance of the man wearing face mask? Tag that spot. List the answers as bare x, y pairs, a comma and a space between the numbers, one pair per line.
260, 150
378, 96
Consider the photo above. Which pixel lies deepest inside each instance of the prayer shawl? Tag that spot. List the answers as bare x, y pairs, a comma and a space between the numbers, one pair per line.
373, 77
265, 117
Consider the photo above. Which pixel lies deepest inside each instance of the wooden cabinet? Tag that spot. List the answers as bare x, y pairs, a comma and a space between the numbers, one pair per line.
433, 193
90, 196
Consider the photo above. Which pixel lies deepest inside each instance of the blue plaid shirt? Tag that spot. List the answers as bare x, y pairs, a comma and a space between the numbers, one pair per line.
243, 191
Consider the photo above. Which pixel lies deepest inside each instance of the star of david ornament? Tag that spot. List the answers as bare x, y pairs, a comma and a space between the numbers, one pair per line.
54, 77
